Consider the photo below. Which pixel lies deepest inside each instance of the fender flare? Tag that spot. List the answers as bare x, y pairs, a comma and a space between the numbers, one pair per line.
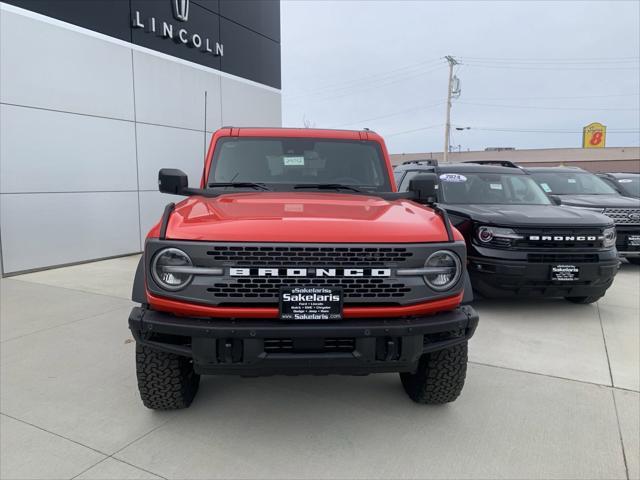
467, 298
138, 293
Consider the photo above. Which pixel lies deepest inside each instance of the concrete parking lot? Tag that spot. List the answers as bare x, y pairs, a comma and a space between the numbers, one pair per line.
552, 392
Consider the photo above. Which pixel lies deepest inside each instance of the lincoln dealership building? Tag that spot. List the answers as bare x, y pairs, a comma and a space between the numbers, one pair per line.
96, 96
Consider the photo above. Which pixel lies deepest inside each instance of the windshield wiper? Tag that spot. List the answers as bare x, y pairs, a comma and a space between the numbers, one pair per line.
327, 186
256, 186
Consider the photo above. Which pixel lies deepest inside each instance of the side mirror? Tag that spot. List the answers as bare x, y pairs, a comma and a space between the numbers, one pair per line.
555, 199
172, 181
424, 187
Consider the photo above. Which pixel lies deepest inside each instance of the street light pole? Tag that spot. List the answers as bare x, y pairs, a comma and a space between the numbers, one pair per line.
447, 126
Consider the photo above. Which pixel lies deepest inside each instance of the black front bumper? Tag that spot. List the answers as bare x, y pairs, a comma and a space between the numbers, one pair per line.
265, 347
624, 244
494, 277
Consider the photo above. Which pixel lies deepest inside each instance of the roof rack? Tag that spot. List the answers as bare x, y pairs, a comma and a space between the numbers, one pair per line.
500, 163
427, 161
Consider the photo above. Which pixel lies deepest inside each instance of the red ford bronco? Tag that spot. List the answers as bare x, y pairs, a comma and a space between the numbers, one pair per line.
297, 255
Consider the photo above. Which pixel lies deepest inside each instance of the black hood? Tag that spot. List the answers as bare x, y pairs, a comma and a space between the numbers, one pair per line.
529, 215
599, 201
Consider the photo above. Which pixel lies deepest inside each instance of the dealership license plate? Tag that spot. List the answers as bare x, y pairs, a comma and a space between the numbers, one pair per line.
565, 273
633, 240
310, 303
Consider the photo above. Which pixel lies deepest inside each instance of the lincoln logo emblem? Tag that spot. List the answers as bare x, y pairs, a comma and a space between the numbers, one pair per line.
181, 10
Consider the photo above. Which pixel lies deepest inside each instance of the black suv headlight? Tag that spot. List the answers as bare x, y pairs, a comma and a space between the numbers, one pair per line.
609, 237
442, 270
171, 269
486, 234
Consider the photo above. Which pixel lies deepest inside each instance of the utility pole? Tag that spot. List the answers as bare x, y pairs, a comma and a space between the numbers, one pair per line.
447, 126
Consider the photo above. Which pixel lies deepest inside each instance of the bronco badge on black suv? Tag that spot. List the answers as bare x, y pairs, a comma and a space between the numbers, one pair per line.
296, 255
518, 242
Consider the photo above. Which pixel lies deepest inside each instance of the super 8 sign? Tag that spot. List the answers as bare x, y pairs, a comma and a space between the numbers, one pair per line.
594, 135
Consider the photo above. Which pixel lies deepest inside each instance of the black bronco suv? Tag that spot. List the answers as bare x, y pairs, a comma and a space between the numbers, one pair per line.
518, 242
577, 188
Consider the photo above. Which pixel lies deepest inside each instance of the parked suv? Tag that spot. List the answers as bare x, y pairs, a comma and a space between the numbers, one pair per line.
518, 242
626, 184
297, 255
577, 188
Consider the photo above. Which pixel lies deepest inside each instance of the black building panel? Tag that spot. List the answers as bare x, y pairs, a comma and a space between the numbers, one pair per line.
249, 54
262, 16
103, 16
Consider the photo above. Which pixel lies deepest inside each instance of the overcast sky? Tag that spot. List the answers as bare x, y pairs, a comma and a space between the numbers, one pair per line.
549, 66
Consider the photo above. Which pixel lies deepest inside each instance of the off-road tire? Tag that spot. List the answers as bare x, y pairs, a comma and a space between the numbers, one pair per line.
584, 300
634, 260
440, 376
166, 381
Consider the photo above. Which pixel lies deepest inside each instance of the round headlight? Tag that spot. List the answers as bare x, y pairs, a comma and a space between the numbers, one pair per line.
446, 270
609, 237
165, 269
485, 234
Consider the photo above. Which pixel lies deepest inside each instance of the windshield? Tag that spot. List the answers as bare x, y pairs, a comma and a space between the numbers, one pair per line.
283, 163
630, 185
572, 183
491, 188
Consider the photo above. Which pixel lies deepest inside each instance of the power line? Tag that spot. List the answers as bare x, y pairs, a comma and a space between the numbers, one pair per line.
553, 61
548, 67
545, 130
394, 134
560, 98
357, 82
356, 89
537, 107
401, 112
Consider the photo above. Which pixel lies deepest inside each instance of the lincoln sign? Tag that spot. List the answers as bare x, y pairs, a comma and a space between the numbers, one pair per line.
178, 33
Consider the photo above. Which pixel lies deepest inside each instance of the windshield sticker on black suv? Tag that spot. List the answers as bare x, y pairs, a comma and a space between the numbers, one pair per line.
495, 186
453, 177
625, 180
545, 187
294, 161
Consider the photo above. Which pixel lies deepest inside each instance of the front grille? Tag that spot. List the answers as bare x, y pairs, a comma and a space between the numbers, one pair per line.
624, 216
253, 288
562, 258
242, 256
565, 243
309, 345
269, 287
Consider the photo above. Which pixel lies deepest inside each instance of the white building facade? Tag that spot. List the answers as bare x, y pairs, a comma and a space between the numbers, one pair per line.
94, 103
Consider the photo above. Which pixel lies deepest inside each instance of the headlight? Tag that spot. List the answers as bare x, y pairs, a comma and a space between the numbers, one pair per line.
485, 234
591, 209
445, 270
609, 235
168, 269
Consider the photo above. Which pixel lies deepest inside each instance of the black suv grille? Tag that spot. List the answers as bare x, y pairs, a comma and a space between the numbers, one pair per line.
269, 287
561, 258
309, 256
311, 345
560, 238
624, 216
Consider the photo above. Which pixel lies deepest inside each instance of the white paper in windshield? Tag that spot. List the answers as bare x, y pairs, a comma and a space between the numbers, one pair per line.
571, 180
625, 180
453, 177
293, 161
495, 186
545, 187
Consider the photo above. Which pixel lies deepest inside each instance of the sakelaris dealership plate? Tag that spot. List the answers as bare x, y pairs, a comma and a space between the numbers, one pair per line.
310, 303
565, 273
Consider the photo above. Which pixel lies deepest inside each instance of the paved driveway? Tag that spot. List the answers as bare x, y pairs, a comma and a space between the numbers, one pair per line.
552, 392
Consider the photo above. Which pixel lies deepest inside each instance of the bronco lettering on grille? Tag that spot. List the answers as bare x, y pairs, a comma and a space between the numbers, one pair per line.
309, 272
564, 238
